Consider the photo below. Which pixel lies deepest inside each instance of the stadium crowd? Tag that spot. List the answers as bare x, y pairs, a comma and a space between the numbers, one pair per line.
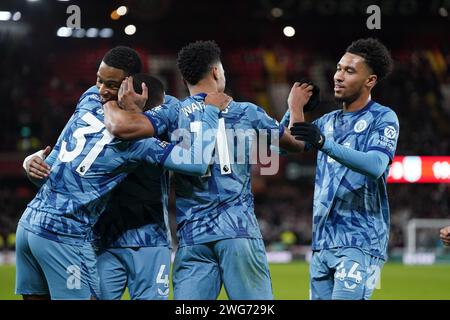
39, 97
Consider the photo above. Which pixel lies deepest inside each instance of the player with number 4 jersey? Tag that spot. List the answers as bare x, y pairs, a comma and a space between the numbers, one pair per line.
220, 242
132, 236
57, 225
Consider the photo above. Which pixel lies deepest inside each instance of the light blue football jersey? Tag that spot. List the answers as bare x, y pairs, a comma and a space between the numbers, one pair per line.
351, 209
137, 213
216, 206
89, 165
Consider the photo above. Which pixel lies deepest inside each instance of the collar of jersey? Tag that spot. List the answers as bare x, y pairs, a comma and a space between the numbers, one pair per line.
199, 96
367, 106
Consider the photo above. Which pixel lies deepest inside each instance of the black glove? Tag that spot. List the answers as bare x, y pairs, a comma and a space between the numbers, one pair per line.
314, 101
309, 133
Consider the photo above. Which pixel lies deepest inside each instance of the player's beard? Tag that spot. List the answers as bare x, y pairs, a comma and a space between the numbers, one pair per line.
348, 99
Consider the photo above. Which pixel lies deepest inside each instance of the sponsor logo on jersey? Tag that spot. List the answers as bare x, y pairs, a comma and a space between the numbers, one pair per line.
390, 132
163, 144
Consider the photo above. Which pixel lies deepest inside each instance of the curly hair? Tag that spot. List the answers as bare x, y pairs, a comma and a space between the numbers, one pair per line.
196, 59
124, 58
375, 54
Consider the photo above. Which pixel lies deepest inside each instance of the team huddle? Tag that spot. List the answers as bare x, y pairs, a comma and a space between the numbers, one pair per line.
99, 222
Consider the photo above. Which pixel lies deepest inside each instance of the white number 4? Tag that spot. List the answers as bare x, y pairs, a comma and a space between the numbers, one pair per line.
355, 275
341, 274
162, 278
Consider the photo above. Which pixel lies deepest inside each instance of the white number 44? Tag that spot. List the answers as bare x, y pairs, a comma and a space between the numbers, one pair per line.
353, 273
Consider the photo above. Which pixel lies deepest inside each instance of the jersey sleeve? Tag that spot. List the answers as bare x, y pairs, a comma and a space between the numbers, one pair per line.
261, 120
51, 158
163, 118
168, 99
384, 135
370, 163
193, 160
286, 119
150, 150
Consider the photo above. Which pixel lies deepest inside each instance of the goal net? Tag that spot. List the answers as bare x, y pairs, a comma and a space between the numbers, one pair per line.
423, 245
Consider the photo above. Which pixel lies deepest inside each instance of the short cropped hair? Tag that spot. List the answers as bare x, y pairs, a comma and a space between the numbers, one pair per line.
124, 58
155, 89
375, 54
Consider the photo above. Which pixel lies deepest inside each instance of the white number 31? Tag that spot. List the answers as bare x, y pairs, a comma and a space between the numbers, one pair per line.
94, 126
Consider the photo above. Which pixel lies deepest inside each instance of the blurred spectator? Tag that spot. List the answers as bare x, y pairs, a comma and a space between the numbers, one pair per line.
37, 99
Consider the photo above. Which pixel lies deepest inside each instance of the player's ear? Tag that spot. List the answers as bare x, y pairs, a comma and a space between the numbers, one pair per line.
215, 73
371, 81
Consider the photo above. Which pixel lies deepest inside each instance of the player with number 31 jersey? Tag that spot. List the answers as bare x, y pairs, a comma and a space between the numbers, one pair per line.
57, 223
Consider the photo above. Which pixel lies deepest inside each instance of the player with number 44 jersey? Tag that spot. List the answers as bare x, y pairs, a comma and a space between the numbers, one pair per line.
356, 145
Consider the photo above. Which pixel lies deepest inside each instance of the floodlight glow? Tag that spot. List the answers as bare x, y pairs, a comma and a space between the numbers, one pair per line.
79, 33
289, 31
92, 32
64, 32
122, 10
276, 12
130, 29
106, 33
16, 16
5, 15
114, 15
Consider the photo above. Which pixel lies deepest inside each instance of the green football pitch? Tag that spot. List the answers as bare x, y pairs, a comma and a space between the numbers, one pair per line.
290, 282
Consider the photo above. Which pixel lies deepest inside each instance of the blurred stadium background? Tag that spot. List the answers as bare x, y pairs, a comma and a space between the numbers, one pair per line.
46, 66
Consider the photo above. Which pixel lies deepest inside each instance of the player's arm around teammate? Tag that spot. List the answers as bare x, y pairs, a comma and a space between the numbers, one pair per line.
125, 120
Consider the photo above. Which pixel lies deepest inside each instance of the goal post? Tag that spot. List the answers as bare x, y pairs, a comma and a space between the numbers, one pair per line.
422, 240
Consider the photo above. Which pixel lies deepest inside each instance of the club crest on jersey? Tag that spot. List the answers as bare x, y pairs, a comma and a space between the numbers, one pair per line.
390, 132
360, 126
163, 144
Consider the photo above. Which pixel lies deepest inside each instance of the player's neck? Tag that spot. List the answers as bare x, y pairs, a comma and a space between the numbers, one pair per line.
357, 104
203, 86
